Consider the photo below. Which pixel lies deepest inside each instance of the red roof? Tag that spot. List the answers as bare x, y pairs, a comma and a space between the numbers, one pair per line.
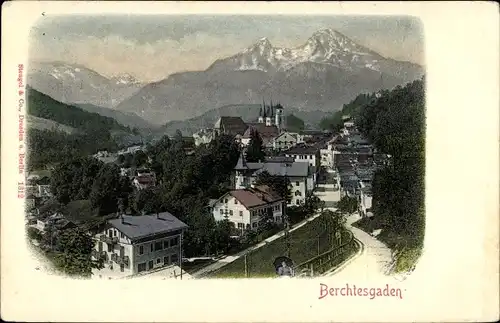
257, 196
145, 179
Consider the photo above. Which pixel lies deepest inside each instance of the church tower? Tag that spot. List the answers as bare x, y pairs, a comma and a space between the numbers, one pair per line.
268, 117
278, 118
261, 113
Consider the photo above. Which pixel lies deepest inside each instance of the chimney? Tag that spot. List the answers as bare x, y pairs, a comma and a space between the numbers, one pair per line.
122, 219
157, 215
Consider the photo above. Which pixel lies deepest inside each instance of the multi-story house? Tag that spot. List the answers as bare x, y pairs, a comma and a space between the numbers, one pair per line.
130, 245
284, 141
301, 176
304, 153
246, 208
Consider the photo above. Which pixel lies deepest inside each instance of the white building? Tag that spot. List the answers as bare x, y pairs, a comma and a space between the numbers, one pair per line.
284, 141
130, 245
365, 200
246, 208
303, 153
204, 136
301, 175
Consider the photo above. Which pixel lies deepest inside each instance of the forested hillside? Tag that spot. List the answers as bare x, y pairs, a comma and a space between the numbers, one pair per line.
395, 124
43, 106
50, 146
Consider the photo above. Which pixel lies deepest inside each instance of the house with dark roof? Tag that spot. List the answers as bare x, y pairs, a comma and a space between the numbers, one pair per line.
130, 245
232, 126
305, 153
266, 132
247, 208
301, 175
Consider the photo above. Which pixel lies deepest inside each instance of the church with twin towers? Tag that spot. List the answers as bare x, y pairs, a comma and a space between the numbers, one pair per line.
271, 115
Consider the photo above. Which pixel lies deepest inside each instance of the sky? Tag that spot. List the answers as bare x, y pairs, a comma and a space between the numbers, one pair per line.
152, 47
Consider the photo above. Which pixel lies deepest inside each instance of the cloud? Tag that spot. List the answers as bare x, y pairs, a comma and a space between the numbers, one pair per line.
153, 48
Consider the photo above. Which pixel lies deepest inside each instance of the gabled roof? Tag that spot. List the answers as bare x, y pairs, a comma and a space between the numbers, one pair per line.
263, 130
302, 150
136, 227
231, 125
253, 197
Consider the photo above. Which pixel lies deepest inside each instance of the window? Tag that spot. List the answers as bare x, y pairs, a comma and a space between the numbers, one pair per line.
235, 201
122, 267
141, 251
230, 212
297, 202
240, 226
297, 193
158, 261
150, 265
174, 241
110, 248
254, 225
158, 245
297, 183
122, 235
241, 213
165, 261
221, 211
141, 267
99, 246
110, 234
225, 200
165, 244
151, 247
175, 257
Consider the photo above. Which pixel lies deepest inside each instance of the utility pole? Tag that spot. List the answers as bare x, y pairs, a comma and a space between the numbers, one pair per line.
287, 220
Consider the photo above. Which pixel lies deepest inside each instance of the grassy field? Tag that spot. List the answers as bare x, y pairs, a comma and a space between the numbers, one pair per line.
304, 246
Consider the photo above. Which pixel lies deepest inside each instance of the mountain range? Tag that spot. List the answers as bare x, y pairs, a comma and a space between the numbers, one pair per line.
76, 84
326, 72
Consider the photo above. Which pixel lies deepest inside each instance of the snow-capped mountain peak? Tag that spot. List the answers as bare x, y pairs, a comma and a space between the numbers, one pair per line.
326, 46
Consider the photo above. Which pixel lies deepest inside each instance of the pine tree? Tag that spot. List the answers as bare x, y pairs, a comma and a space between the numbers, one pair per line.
255, 151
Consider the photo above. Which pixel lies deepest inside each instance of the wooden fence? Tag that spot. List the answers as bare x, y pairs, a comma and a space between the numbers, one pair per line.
327, 260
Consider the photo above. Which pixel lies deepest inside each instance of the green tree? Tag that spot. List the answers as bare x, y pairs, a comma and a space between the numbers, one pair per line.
348, 204
255, 150
106, 190
333, 123
75, 258
294, 123
395, 123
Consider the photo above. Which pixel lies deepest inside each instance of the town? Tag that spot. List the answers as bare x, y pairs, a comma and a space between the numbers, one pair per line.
240, 159
244, 184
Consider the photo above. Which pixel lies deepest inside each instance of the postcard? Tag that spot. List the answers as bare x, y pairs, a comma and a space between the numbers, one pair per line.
237, 161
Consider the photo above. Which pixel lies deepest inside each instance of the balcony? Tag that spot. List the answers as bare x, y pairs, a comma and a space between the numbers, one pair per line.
108, 240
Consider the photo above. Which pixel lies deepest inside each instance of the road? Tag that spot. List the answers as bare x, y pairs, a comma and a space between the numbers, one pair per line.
372, 262
324, 193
